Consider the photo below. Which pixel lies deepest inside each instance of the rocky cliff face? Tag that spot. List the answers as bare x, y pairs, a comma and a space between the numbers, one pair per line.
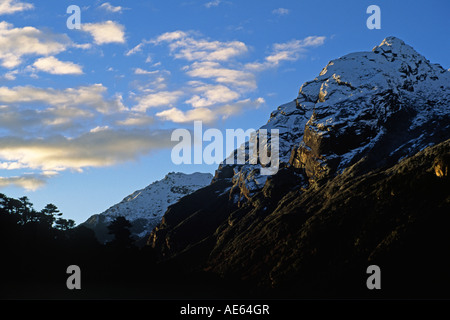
318, 242
361, 170
384, 105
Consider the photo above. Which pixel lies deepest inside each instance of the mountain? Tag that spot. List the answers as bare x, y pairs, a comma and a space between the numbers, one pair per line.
363, 179
372, 104
144, 208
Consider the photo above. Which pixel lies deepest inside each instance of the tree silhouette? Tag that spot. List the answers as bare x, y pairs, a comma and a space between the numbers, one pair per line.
47, 216
19, 214
64, 224
120, 228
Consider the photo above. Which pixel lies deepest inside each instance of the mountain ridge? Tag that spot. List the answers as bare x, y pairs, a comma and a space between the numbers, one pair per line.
368, 118
362, 88
144, 208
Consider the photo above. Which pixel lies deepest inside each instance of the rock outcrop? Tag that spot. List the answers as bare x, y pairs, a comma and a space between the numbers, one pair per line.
363, 158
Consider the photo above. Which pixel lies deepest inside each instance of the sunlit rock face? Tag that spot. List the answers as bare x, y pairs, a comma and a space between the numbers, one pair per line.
363, 154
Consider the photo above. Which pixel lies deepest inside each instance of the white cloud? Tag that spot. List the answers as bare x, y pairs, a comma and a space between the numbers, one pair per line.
291, 50
99, 128
213, 3
90, 96
10, 166
13, 6
211, 94
170, 36
108, 7
98, 148
105, 32
223, 80
101, 147
158, 99
281, 11
134, 50
189, 48
178, 116
11, 75
30, 182
137, 120
208, 115
144, 72
55, 66
18, 42
222, 75
62, 116
238, 107
288, 51
83, 46
209, 59
150, 81
31, 121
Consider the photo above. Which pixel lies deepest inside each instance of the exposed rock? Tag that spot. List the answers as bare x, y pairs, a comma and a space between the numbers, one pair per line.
360, 182
385, 104
441, 165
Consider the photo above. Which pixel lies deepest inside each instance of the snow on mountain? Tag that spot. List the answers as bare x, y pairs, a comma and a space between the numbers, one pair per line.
341, 142
145, 208
390, 102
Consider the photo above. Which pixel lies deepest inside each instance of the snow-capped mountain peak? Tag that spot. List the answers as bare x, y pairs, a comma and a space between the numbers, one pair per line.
144, 208
390, 101
343, 144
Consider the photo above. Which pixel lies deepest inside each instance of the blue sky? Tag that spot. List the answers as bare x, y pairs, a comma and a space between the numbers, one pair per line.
86, 115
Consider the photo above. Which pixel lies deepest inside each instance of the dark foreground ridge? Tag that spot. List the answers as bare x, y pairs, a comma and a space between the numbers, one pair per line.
319, 242
287, 243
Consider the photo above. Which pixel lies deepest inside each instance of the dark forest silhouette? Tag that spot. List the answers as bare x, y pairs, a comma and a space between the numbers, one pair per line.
38, 246
120, 229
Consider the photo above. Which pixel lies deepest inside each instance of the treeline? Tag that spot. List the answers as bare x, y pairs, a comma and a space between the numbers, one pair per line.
17, 213
22, 226
37, 247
